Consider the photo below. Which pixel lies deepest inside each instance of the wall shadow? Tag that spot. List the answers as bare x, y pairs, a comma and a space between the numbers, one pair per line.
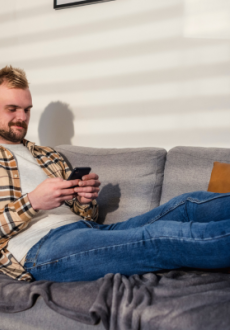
108, 199
26, 13
204, 136
132, 49
56, 125
164, 106
143, 78
108, 24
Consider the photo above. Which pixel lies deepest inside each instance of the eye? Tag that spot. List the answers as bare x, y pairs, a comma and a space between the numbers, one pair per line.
27, 110
12, 109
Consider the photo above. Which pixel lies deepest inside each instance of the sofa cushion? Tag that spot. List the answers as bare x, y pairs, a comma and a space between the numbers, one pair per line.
41, 317
131, 179
189, 169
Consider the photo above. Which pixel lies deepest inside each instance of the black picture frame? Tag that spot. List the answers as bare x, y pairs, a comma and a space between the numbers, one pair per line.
76, 3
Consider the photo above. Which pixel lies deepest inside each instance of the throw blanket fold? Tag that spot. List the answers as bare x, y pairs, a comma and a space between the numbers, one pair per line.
163, 301
174, 300
72, 299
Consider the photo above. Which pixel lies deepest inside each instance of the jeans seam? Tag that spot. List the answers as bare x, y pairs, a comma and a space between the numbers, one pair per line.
34, 260
88, 224
164, 213
131, 243
193, 200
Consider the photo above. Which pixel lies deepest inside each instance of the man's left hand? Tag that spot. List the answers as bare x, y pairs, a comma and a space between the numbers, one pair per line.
88, 188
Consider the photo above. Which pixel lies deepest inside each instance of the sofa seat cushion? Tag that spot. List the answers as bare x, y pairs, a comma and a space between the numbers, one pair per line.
189, 169
131, 178
41, 317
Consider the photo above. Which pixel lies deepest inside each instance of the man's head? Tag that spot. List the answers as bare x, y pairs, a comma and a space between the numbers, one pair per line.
15, 105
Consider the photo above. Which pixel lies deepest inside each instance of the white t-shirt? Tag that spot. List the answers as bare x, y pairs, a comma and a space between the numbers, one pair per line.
31, 175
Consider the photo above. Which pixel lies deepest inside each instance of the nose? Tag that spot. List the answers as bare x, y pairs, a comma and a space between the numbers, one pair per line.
22, 115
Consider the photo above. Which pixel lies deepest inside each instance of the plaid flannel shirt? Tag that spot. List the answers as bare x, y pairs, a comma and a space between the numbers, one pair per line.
15, 208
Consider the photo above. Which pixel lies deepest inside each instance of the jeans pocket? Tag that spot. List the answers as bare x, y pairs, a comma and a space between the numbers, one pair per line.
32, 254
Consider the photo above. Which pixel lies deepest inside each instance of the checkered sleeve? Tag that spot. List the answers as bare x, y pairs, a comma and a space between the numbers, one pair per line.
15, 216
86, 211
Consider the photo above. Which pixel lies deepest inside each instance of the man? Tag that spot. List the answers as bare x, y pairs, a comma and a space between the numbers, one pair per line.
41, 239
17, 210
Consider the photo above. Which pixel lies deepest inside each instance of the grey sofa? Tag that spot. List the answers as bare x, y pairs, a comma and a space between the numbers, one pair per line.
135, 180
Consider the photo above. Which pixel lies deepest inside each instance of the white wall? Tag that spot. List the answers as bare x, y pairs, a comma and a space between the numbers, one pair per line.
119, 74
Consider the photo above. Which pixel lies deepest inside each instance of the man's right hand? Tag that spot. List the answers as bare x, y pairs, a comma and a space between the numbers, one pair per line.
52, 193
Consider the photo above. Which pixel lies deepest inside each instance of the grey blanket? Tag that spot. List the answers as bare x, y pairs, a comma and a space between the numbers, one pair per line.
171, 300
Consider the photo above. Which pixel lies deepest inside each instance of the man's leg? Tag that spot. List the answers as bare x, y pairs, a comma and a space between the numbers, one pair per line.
76, 252
199, 206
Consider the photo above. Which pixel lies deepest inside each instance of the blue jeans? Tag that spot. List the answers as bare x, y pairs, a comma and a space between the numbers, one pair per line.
191, 230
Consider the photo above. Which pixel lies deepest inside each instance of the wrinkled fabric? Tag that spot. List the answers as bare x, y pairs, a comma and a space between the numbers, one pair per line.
73, 300
164, 301
175, 300
15, 208
191, 230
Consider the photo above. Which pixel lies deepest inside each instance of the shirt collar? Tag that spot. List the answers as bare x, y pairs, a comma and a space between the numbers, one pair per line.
26, 143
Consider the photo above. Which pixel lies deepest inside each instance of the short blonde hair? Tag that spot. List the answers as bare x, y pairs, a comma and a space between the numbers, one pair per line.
13, 77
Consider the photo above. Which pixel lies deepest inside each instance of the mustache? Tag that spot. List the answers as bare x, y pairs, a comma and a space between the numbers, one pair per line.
18, 123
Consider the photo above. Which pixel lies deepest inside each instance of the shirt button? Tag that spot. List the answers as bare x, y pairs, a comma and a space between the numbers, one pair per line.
15, 175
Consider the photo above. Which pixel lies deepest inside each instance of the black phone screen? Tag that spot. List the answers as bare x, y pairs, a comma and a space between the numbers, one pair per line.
79, 172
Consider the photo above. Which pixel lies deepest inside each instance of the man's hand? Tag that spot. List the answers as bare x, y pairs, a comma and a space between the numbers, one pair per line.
88, 188
53, 192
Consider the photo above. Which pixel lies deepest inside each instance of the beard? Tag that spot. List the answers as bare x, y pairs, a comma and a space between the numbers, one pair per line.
13, 136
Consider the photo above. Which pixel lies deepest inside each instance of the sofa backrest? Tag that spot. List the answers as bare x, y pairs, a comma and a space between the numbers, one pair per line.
131, 178
189, 169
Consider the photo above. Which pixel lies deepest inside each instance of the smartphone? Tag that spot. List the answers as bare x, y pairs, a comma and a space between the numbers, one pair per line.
79, 172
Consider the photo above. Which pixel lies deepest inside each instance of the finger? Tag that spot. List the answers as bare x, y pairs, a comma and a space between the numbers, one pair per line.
83, 200
86, 189
68, 197
91, 176
70, 183
88, 195
66, 192
92, 183
65, 197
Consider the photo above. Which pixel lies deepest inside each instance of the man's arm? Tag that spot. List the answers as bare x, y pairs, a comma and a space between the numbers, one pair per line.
14, 217
50, 194
53, 192
85, 206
